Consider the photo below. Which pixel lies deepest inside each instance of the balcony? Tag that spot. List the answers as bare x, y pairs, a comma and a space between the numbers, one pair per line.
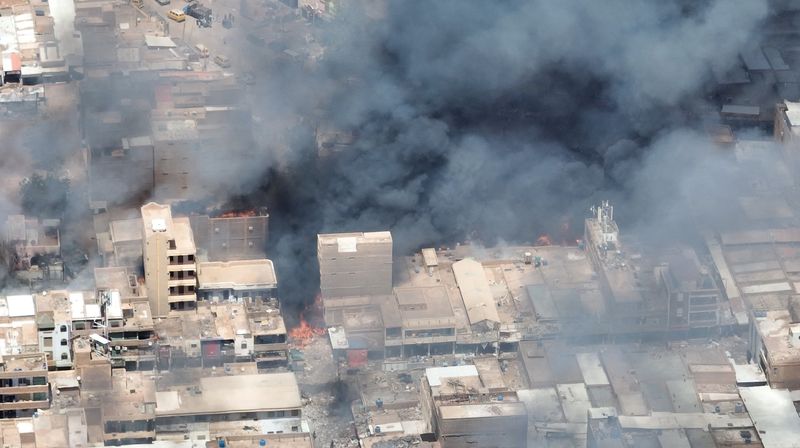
23, 405
182, 282
184, 297
182, 267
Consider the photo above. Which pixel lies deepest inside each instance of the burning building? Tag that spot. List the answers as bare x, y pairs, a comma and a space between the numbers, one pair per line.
232, 236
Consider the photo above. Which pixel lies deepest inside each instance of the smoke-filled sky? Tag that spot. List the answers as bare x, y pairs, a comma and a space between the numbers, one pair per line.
480, 120
506, 119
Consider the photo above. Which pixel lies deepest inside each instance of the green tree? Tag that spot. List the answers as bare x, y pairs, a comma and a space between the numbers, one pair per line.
44, 196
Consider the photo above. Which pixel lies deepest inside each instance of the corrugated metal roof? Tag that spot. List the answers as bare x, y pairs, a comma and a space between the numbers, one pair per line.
475, 291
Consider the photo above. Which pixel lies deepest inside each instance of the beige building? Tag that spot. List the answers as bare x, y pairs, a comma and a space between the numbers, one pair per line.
470, 405
169, 260
24, 386
261, 399
235, 236
236, 280
774, 342
355, 264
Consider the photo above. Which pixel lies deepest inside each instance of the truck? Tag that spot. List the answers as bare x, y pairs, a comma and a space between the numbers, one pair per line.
199, 12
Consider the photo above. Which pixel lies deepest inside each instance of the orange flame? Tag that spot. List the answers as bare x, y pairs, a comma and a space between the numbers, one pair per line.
544, 240
238, 214
304, 333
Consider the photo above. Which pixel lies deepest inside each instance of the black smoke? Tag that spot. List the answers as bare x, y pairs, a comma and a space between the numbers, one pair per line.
490, 120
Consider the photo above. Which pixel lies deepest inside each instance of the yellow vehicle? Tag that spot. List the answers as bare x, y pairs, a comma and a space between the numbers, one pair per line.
176, 15
137, 3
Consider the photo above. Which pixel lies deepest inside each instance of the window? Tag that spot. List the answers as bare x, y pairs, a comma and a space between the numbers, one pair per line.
63, 328
190, 257
244, 345
63, 342
295, 412
47, 342
172, 245
64, 356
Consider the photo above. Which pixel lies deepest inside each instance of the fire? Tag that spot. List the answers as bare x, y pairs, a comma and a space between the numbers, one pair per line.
238, 214
305, 332
544, 240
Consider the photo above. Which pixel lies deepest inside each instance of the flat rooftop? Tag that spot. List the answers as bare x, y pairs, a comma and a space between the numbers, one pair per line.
483, 410
359, 237
126, 230
774, 329
773, 414
231, 394
156, 218
425, 307
237, 275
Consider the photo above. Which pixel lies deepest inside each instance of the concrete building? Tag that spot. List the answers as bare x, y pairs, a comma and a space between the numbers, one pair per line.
131, 334
232, 236
426, 321
252, 280
34, 247
601, 236
690, 291
774, 342
219, 333
464, 411
127, 409
169, 260
230, 398
24, 386
270, 342
355, 264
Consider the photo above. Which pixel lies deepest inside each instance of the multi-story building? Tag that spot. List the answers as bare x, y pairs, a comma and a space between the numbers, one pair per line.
34, 248
232, 236
464, 410
355, 264
219, 333
270, 344
263, 400
54, 324
169, 260
775, 346
236, 280
120, 406
691, 293
427, 323
131, 334
24, 386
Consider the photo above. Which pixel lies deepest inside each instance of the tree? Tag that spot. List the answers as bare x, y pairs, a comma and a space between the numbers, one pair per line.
44, 196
